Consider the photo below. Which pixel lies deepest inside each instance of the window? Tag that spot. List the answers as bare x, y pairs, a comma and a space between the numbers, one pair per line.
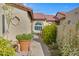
38, 26
76, 12
69, 21
3, 24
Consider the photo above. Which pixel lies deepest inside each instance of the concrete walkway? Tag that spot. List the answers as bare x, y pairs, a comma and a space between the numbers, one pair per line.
36, 49
43, 45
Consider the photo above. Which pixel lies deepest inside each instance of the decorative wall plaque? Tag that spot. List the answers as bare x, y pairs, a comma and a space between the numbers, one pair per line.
15, 20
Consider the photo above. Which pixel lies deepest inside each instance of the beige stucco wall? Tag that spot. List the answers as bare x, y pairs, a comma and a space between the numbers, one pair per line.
47, 23
24, 26
64, 28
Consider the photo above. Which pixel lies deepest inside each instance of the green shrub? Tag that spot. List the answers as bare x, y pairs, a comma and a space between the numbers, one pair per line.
49, 33
6, 48
24, 37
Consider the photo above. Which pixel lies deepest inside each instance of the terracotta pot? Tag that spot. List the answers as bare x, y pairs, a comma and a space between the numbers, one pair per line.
24, 45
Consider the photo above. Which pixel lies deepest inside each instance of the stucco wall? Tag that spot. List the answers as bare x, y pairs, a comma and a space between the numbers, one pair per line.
24, 26
68, 26
47, 23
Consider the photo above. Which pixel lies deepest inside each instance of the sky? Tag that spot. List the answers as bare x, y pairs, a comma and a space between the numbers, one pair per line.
51, 8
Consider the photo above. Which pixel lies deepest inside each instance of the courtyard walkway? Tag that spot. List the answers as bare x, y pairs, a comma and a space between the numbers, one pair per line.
36, 49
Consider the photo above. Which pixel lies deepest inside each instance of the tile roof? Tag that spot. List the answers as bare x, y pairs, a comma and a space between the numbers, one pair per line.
39, 16
62, 13
50, 18
58, 18
19, 6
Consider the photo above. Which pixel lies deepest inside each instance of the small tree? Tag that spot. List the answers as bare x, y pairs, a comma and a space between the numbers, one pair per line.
49, 34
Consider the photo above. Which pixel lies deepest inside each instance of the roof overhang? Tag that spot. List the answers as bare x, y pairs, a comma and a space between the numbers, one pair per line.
22, 7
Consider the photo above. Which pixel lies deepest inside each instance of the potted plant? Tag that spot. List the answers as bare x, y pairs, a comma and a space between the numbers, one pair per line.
24, 41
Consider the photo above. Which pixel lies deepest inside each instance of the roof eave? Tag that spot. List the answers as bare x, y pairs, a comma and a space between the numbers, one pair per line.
21, 7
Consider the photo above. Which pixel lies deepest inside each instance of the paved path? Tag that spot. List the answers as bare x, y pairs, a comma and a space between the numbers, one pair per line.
43, 45
36, 49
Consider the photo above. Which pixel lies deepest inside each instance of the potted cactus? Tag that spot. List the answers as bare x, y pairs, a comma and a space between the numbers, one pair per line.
24, 41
